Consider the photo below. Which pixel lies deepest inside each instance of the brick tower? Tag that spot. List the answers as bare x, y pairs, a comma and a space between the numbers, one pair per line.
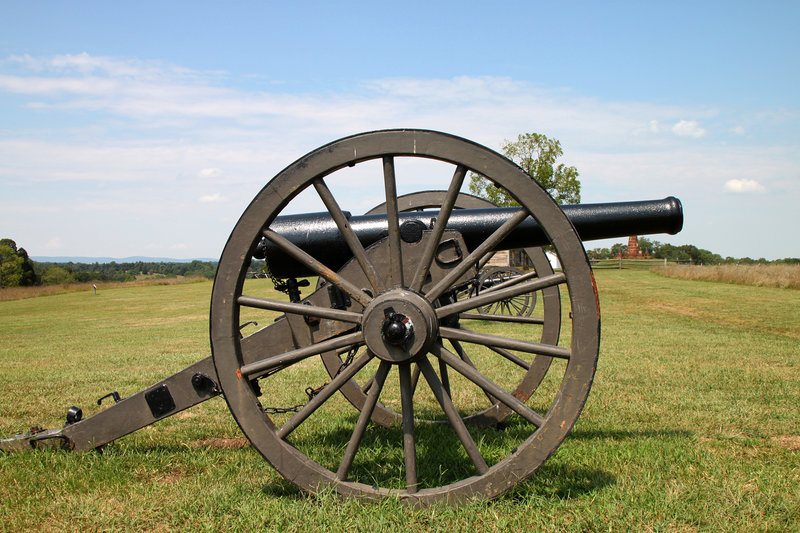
633, 248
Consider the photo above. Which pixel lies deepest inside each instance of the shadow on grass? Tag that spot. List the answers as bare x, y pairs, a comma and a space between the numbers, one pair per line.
441, 457
561, 481
282, 489
553, 480
448, 463
619, 434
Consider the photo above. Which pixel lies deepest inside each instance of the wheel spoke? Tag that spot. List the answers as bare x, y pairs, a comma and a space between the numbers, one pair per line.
294, 356
502, 318
496, 296
510, 282
414, 380
363, 419
445, 376
484, 260
488, 385
393, 219
438, 229
443, 397
409, 445
462, 353
336, 383
461, 334
366, 387
473, 258
301, 256
299, 309
514, 358
347, 232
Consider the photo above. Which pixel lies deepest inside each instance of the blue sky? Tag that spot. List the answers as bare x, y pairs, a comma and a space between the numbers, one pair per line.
146, 128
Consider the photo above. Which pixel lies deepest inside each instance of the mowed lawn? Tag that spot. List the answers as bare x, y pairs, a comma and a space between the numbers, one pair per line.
693, 423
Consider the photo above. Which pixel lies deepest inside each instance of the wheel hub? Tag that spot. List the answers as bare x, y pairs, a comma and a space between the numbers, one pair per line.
397, 328
399, 325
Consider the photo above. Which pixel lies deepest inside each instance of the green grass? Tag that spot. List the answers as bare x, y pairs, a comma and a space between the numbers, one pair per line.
692, 424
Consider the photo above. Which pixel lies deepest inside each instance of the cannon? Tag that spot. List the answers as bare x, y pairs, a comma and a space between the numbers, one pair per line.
448, 402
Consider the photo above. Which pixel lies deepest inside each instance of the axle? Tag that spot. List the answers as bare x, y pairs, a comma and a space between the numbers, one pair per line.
318, 235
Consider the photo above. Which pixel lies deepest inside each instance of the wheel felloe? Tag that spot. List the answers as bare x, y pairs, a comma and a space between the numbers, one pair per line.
395, 322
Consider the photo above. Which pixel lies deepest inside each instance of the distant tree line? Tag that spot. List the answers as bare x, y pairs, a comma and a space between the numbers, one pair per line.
685, 253
17, 269
54, 273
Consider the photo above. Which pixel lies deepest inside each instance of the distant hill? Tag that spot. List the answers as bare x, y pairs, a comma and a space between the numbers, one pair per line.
133, 259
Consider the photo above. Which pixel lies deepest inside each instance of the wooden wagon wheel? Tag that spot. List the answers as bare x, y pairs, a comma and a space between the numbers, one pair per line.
401, 318
532, 372
521, 305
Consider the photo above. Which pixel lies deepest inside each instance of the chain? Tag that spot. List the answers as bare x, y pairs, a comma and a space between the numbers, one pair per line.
294, 295
279, 285
281, 410
311, 391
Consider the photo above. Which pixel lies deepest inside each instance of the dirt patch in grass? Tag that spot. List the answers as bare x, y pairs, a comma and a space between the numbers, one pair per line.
687, 311
239, 442
696, 313
791, 442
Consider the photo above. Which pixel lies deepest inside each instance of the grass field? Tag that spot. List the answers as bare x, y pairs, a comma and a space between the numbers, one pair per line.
693, 423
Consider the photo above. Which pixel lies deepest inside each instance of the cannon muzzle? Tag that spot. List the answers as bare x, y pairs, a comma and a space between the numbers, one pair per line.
318, 235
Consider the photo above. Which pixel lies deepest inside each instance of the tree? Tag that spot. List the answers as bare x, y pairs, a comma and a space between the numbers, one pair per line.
689, 252
647, 247
16, 268
56, 276
537, 155
619, 249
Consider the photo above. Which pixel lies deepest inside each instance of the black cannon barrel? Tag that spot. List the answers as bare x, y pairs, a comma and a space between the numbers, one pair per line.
318, 235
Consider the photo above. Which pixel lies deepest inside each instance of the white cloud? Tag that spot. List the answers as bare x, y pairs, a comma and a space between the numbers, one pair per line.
149, 142
210, 173
150, 95
210, 198
688, 128
54, 244
739, 130
739, 185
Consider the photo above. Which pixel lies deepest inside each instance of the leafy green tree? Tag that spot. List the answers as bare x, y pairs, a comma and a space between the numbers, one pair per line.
647, 247
16, 268
618, 249
56, 275
10, 267
689, 252
537, 155
599, 253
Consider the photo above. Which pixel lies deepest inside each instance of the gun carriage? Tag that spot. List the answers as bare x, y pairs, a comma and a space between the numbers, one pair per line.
451, 401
